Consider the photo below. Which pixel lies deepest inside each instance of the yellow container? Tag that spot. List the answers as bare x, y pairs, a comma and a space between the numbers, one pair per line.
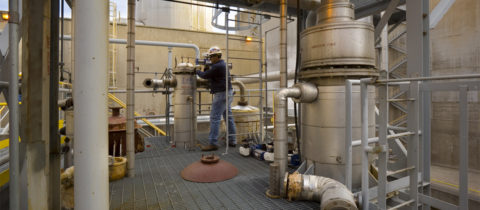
117, 167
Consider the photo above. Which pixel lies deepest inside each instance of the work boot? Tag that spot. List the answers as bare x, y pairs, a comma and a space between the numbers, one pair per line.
209, 147
232, 144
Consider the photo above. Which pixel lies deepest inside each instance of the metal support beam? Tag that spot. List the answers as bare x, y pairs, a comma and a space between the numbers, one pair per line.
383, 115
14, 123
54, 140
35, 133
426, 102
439, 11
392, 6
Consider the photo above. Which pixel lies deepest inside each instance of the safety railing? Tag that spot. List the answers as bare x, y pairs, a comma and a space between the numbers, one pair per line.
122, 104
415, 88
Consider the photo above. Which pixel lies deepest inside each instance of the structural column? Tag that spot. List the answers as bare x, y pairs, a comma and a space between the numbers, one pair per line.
14, 163
130, 89
90, 105
35, 104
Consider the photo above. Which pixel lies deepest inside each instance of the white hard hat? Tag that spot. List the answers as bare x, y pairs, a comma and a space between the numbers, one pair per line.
214, 50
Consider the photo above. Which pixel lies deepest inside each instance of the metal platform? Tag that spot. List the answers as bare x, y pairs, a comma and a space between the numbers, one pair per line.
158, 185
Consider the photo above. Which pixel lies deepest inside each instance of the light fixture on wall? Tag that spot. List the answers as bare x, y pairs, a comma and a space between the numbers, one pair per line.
5, 16
248, 38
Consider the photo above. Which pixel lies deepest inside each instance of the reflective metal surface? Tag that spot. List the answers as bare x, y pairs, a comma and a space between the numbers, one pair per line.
337, 39
338, 43
323, 131
184, 107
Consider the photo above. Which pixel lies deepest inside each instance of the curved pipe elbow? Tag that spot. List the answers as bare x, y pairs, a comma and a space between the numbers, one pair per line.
241, 86
330, 193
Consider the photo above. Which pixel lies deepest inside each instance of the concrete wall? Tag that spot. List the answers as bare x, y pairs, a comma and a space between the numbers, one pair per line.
455, 49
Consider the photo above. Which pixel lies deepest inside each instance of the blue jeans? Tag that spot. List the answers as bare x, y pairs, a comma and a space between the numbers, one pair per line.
218, 109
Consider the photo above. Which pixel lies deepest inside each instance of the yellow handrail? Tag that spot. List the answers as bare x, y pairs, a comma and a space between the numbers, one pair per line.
120, 102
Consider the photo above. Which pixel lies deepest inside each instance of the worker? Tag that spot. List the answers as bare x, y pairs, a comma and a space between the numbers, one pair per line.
216, 76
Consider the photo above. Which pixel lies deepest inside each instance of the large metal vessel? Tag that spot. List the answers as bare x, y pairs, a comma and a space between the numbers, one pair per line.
336, 49
184, 106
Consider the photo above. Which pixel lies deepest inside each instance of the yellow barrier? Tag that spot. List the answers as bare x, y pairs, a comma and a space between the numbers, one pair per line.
120, 102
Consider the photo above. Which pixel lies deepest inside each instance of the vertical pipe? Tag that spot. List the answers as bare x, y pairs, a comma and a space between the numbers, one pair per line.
364, 118
260, 54
62, 64
348, 134
54, 140
283, 45
169, 96
130, 89
14, 164
90, 98
227, 70
383, 122
463, 151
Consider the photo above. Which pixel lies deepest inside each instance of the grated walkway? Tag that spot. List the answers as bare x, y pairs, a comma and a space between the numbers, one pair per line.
158, 184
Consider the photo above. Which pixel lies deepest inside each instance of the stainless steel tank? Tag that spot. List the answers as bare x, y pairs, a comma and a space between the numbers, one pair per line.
337, 39
336, 49
184, 106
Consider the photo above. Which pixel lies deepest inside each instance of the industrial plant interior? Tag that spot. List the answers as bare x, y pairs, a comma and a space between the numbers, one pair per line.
331, 104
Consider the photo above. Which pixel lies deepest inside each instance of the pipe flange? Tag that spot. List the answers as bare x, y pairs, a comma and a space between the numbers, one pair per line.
309, 92
294, 187
338, 72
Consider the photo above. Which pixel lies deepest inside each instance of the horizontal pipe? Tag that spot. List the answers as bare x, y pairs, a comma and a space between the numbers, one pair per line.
254, 78
3, 84
447, 77
375, 139
158, 83
153, 43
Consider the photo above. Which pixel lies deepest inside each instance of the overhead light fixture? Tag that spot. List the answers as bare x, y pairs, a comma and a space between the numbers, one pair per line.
5, 16
248, 38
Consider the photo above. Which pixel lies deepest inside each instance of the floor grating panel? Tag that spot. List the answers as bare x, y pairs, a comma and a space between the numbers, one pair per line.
158, 185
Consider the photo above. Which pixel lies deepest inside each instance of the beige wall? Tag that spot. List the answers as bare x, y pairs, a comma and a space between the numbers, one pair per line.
154, 59
455, 49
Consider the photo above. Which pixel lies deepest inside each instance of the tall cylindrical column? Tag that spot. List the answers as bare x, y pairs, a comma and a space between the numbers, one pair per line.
13, 105
90, 98
130, 88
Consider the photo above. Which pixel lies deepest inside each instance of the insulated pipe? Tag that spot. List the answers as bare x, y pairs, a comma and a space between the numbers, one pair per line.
90, 98
273, 76
281, 108
153, 43
330, 193
130, 130
283, 44
301, 92
348, 133
364, 119
13, 23
241, 86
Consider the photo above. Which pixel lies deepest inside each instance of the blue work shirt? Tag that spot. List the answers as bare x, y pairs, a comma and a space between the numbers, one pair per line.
216, 77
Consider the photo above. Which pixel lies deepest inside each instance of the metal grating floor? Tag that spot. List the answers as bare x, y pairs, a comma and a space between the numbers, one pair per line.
158, 184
